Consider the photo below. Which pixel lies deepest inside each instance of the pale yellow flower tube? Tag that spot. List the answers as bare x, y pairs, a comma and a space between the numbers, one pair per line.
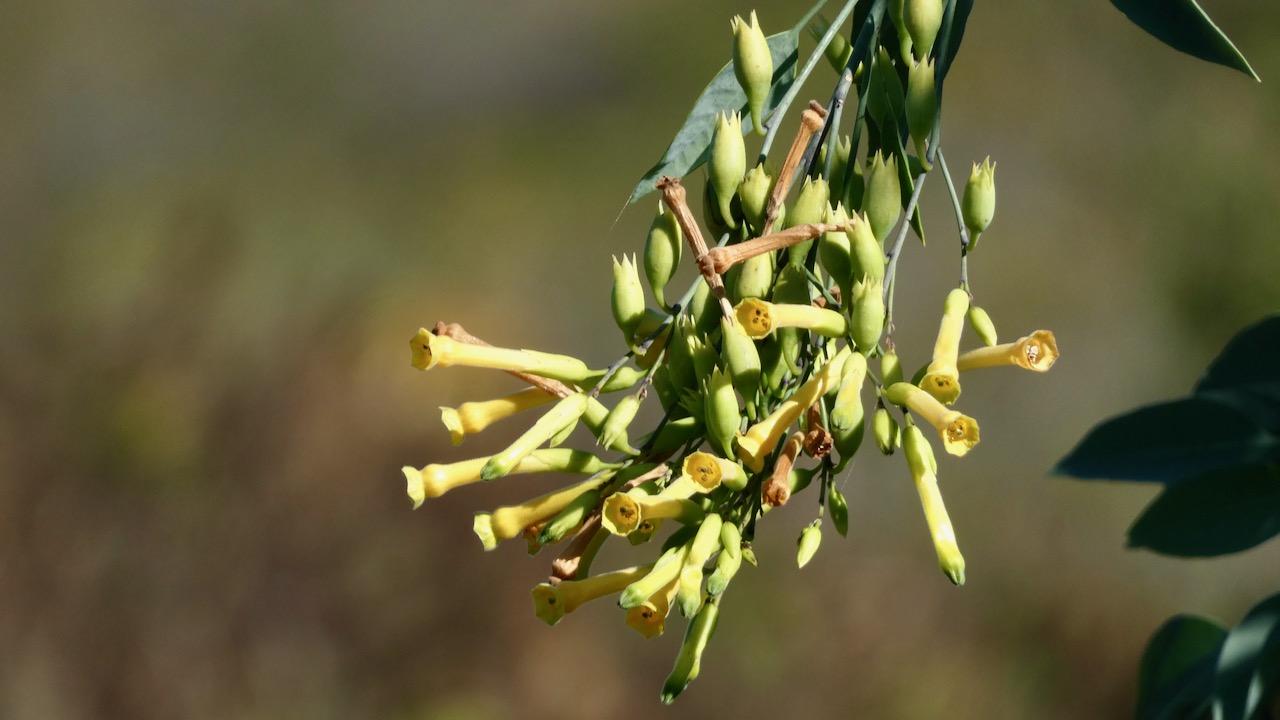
557, 419
437, 479
761, 317
1037, 351
942, 377
761, 438
430, 350
924, 471
470, 418
959, 432
650, 617
552, 602
623, 512
510, 521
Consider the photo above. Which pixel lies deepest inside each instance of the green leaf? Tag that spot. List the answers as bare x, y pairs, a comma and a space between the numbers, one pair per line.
1169, 442
1183, 26
1242, 680
1217, 513
692, 143
1251, 357
1175, 679
955, 34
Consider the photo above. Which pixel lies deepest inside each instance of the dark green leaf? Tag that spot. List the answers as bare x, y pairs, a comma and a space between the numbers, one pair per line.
1251, 357
1182, 25
1169, 442
1261, 402
1241, 683
954, 35
1176, 676
692, 143
1217, 513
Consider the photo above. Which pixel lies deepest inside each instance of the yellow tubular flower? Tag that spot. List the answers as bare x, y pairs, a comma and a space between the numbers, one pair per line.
923, 470
624, 512
1038, 351
761, 438
553, 602
557, 419
959, 432
942, 377
665, 571
650, 617
708, 472
437, 479
511, 521
470, 418
707, 541
761, 317
430, 350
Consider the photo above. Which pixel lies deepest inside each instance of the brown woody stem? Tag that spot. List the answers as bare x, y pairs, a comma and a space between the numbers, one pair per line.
811, 121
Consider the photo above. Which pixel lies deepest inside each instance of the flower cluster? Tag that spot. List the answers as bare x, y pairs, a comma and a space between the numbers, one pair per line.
764, 369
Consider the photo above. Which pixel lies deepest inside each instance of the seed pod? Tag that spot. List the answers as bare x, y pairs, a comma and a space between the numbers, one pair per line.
979, 205
627, 299
753, 65
811, 207
885, 429
923, 18
662, 249
727, 163
754, 193
808, 542
982, 325
839, 511
882, 201
922, 107
896, 12
835, 252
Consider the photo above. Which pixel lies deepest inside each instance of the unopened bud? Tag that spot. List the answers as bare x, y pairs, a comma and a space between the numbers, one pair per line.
662, 249
619, 419
868, 314
627, 299
727, 163
839, 511
868, 255
835, 252
723, 417
923, 18
890, 368
808, 542
753, 64
979, 205
982, 326
810, 207
882, 201
922, 107
838, 51
754, 193
885, 429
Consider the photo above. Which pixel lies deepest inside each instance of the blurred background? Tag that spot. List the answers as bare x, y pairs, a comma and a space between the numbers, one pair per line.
221, 221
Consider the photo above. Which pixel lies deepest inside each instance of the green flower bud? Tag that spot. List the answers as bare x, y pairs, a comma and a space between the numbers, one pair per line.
727, 163
667, 393
689, 594
885, 430
563, 435
703, 355
922, 107
728, 561
882, 201
753, 193
835, 252
644, 531
856, 185
919, 452
569, 518
848, 440
923, 18
723, 417
675, 434
619, 419
704, 308
742, 360
565, 412
749, 555
890, 368
979, 205
810, 207
839, 511
840, 166
717, 226
754, 278
808, 542
753, 64
838, 51
896, 12
680, 355
627, 300
886, 99
868, 258
868, 314
792, 288
847, 407
689, 659
662, 250
982, 326
773, 369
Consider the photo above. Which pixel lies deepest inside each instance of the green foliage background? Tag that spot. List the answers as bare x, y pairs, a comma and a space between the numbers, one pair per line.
219, 224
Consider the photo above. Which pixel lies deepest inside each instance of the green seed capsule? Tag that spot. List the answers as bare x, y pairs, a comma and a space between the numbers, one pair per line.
979, 205
882, 202
627, 300
922, 107
923, 18
896, 12
868, 314
835, 252
982, 326
811, 207
885, 430
753, 65
808, 542
868, 258
662, 249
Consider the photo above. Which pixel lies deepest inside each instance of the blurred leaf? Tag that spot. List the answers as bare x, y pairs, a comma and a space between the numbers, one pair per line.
1175, 679
1217, 513
953, 36
1170, 441
692, 143
1241, 682
1183, 26
1251, 357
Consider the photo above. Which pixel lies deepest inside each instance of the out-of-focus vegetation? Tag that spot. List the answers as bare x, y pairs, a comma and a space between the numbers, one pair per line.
219, 224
